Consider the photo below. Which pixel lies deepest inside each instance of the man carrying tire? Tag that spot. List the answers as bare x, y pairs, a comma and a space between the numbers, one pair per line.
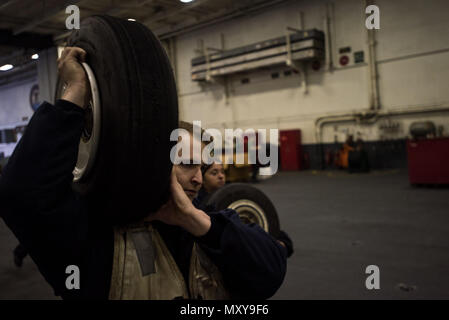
177, 252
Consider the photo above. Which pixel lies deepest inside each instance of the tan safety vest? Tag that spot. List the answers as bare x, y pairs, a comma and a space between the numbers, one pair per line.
167, 281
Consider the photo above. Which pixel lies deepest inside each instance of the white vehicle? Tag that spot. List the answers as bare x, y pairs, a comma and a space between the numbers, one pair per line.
9, 137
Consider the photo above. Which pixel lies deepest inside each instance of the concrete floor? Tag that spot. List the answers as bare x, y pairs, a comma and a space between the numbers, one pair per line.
339, 224
19, 283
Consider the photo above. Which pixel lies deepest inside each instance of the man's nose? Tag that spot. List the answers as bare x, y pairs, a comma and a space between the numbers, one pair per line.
197, 178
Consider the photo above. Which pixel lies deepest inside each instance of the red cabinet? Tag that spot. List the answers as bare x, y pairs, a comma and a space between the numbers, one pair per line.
290, 149
428, 161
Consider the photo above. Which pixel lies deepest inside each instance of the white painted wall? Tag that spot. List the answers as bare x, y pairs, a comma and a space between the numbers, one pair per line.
413, 55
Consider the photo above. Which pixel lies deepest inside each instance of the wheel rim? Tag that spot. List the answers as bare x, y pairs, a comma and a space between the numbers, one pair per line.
250, 212
88, 146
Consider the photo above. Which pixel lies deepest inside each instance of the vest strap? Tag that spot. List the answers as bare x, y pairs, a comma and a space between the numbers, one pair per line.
144, 250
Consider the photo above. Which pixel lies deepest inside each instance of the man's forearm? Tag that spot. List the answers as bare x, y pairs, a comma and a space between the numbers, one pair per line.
197, 223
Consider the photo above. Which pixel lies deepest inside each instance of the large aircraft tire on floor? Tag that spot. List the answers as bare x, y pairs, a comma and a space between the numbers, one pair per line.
252, 205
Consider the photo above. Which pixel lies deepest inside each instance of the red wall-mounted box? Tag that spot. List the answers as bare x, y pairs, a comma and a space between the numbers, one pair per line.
428, 161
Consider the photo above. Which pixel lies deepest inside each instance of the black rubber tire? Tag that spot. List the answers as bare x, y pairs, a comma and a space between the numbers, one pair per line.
225, 196
130, 177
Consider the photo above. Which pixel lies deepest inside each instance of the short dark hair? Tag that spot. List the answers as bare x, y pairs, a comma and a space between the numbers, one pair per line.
189, 127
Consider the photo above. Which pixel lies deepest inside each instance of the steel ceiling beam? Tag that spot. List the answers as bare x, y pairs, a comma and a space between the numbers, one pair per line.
49, 14
25, 40
13, 21
112, 11
167, 32
165, 15
130, 5
5, 4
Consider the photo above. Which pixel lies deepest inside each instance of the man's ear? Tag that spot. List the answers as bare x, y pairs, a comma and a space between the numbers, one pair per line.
174, 175
174, 170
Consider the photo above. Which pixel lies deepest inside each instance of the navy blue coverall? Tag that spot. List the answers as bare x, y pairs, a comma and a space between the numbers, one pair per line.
57, 228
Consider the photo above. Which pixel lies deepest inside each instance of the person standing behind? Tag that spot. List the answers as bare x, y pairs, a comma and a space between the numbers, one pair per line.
214, 177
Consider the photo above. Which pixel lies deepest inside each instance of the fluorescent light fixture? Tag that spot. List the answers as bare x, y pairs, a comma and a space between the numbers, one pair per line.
6, 67
35, 56
186, 1
131, 19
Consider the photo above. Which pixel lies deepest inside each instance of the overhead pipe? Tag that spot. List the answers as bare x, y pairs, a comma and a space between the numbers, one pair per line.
328, 39
372, 64
367, 118
213, 21
370, 118
372, 114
